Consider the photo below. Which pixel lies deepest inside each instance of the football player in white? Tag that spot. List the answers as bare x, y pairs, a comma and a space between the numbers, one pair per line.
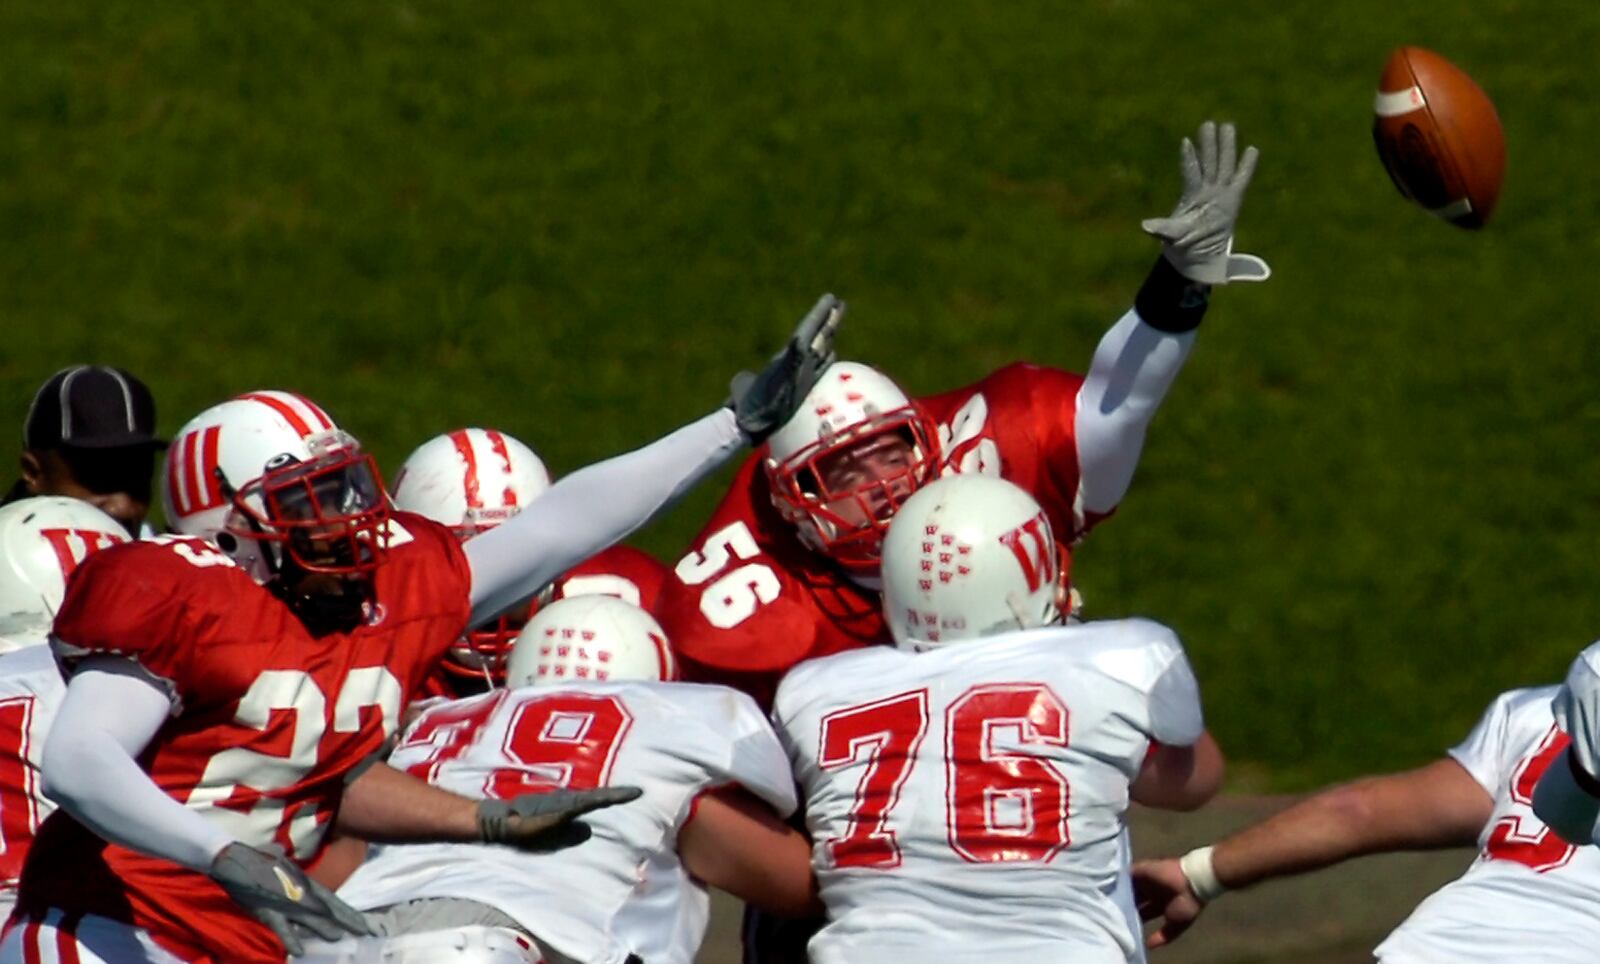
473, 479
42, 539
592, 704
966, 789
1528, 896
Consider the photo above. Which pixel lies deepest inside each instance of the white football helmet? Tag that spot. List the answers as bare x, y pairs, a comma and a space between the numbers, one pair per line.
590, 639
471, 479
269, 473
969, 556
42, 540
850, 406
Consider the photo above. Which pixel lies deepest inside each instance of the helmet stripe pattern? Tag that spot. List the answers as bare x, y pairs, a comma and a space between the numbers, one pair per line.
498, 443
469, 481
192, 463
301, 414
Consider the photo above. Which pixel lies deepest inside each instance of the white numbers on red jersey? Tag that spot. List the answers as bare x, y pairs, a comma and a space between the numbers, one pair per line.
195, 551
240, 771
564, 740
734, 597
965, 448
1524, 838
19, 807
999, 806
602, 584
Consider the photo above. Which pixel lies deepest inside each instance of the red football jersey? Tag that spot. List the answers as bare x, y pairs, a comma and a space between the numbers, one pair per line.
266, 718
750, 600
621, 571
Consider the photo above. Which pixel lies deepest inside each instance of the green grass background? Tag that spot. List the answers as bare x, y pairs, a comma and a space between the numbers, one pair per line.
1369, 504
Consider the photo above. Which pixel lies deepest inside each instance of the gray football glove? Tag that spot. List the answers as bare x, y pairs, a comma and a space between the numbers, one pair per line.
269, 886
546, 821
1197, 238
763, 401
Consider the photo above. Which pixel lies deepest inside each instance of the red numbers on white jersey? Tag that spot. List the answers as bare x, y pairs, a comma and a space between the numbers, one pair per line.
887, 735
734, 596
564, 740
19, 808
1523, 838
1000, 805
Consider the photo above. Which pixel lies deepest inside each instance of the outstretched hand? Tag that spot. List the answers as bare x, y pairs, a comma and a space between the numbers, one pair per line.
1197, 238
763, 401
546, 821
1161, 892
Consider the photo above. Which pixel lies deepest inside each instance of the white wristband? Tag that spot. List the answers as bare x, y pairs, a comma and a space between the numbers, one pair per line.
1202, 877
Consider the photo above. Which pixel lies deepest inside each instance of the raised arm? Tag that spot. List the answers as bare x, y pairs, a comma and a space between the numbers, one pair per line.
1139, 358
601, 504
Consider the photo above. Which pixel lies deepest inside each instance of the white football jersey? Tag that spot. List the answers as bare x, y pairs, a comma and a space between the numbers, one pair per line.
30, 692
623, 891
967, 803
1529, 896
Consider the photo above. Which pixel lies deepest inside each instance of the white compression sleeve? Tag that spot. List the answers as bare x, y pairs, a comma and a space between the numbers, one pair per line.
1133, 367
591, 509
110, 714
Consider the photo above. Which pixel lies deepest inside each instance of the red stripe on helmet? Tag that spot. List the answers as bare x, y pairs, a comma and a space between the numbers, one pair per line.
469, 481
283, 408
315, 409
210, 463
192, 494
663, 657
497, 442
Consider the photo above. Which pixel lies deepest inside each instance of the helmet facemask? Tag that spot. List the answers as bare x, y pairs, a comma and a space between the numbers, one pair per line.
841, 491
320, 528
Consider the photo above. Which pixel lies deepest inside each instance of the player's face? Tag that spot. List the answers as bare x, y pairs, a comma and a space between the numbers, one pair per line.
871, 477
115, 481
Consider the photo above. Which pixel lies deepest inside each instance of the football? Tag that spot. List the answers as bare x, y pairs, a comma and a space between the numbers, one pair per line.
1439, 137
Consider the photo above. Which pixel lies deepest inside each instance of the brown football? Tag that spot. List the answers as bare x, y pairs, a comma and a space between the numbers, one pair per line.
1439, 137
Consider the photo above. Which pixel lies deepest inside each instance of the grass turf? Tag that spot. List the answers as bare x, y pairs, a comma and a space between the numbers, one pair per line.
1368, 505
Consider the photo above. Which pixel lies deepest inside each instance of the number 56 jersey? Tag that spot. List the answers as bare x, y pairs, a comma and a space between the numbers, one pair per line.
623, 891
967, 803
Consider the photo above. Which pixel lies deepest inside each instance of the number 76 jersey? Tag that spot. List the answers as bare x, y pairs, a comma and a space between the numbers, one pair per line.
968, 802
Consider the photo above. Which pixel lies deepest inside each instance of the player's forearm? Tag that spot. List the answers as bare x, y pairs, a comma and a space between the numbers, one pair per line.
591, 509
1133, 367
384, 805
89, 769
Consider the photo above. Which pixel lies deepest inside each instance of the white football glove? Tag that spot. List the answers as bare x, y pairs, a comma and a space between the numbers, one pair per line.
1197, 238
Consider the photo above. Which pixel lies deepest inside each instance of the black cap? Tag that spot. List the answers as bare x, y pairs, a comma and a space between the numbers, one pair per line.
91, 407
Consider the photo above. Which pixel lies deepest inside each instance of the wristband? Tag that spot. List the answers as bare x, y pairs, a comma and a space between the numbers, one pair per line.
1202, 877
1169, 302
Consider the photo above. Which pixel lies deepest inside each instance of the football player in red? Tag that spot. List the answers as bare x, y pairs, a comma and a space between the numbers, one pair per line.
227, 697
473, 479
787, 567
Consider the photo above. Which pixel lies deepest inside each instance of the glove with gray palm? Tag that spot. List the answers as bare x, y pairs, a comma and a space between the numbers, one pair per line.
764, 401
1197, 238
270, 886
546, 821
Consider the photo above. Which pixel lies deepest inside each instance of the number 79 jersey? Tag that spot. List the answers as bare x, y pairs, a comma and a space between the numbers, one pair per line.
1529, 895
623, 892
968, 802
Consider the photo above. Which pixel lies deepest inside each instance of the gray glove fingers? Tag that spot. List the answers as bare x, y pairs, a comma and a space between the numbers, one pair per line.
280, 926
1193, 178
815, 331
571, 803
1167, 229
337, 918
1245, 171
1227, 154
585, 801
1208, 152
